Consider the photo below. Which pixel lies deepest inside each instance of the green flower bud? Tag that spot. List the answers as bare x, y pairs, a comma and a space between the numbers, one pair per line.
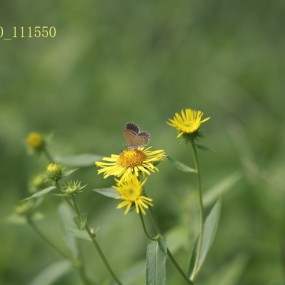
54, 171
73, 188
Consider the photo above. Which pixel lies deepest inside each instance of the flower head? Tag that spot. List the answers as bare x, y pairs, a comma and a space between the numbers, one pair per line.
72, 188
188, 123
35, 141
130, 161
54, 171
130, 191
36, 183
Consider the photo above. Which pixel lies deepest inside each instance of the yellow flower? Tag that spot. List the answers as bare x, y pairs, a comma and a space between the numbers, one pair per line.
130, 190
130, 161
188, 122
54, 171
35, 141
36, 183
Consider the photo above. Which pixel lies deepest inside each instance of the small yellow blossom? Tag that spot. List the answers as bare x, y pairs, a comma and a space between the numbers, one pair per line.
130, 191
131, 161
188, 123
54, 171
36, 183
35, 141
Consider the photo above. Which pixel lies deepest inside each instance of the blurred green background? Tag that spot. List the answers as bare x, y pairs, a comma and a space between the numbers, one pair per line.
117, 61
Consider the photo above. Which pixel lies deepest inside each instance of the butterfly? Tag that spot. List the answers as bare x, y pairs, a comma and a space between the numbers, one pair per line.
134, 137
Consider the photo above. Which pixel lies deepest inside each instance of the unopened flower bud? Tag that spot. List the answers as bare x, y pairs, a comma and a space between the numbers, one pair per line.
54, 171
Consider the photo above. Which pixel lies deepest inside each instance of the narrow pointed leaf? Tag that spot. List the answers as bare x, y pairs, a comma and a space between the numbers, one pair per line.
79, 160
193, 257
69, 172
78, 234
81, 220
41, 193
108, 192
66, 221
156, 262
204, 148
210, 229
50, 274
181, 166
221, 188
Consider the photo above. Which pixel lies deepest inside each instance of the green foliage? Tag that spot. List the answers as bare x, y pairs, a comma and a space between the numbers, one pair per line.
111, 63
108, 192
181, 166
210, 229
51, 273
156, 262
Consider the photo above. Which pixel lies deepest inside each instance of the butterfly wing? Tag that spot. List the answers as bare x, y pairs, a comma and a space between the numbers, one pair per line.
131, 138
133, 127
134, 137
143, 138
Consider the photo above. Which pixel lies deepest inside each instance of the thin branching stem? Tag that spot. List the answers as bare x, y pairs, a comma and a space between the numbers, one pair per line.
178, 267
157, 229
201, 207
91, 235
156, 238
48, 155
74, 207
45, 239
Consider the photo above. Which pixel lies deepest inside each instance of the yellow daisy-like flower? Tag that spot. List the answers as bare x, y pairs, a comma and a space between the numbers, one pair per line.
35, 141
130, 190
131, 161
188, 122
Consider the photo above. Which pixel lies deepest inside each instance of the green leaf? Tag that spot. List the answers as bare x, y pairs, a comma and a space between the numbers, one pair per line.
81, 220
210, 229
204, 148
221, 188
79, 160
78, 234
193, 258
156, 262
52, 273
181, 166
108, 192
66, 221
41, 193
69, 172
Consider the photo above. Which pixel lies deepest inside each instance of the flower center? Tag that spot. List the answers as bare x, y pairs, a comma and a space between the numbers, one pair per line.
131, 158
132, 194
191, 125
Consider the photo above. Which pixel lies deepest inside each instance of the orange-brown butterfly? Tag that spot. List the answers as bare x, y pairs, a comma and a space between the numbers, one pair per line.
134, 137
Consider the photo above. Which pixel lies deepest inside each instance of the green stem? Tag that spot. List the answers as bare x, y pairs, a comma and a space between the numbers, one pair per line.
201, 207
178, 267
94, 241
157, 229
48, 155
146, 232
81, 267
45, 239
